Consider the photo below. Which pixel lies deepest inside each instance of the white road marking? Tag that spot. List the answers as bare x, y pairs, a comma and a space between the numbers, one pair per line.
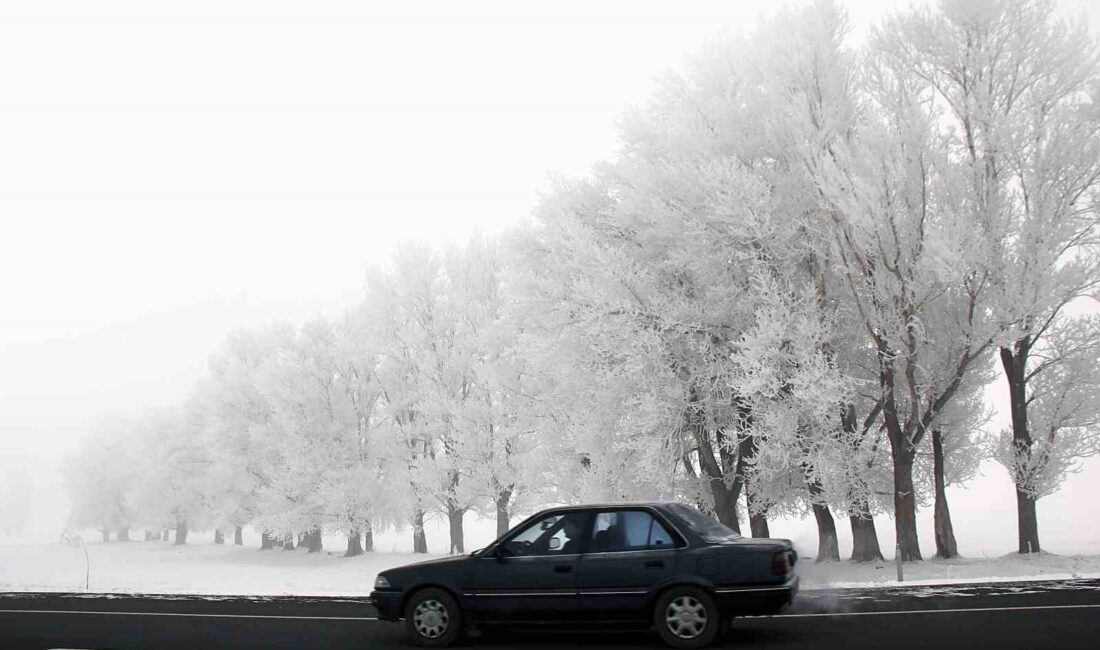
75, 611
933, 611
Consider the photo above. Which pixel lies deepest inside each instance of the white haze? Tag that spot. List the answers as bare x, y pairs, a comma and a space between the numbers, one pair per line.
173, 170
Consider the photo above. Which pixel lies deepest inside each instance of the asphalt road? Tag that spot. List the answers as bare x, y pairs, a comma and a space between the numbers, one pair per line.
1004, 615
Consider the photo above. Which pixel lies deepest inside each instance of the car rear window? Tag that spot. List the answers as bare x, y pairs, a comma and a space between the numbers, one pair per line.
629, 530
706, 527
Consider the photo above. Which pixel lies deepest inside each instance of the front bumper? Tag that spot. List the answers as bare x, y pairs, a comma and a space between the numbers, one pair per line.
388, 604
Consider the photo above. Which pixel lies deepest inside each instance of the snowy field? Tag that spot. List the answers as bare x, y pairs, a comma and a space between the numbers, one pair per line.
984, 514
205, 568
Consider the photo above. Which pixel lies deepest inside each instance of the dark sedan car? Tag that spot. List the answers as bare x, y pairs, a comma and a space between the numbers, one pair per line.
663, 564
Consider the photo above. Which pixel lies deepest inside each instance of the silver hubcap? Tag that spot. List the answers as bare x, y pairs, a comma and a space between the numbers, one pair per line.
686, 617
430, 619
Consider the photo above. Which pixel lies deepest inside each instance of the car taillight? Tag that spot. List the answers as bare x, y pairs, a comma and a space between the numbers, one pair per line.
781, 563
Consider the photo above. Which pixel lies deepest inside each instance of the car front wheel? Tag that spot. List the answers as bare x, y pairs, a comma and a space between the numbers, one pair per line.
433, 618
687, 617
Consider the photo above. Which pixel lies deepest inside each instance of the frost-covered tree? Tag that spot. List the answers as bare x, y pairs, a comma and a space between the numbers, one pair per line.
500, 414
237, 415
1018, 89
1056, 421
312, 431
175, 464
101, 478
451, 380
399, 376
359, 491
911, 252
428, 316
801, 74
682, 282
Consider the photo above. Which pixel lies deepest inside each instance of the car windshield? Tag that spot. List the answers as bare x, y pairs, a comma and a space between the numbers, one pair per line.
706, 527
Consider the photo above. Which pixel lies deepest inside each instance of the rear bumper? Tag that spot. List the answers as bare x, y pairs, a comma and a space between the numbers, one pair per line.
756, 600
388, 604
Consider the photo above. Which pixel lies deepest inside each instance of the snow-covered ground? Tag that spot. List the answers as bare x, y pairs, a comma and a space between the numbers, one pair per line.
205, 568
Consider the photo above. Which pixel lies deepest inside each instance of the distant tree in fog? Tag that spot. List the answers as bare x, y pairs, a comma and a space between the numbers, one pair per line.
172, 489
237, 416
102, 478
16, 488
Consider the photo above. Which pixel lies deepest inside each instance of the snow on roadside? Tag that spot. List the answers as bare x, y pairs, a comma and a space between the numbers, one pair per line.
159, 567
1011, 567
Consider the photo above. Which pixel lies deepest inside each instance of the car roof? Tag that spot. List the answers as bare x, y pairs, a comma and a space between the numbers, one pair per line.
602, 506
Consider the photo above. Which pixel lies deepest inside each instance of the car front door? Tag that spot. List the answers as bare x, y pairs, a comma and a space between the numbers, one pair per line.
630, 552
532, 576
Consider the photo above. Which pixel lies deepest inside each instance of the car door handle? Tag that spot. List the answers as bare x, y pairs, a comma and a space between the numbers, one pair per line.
657, 564
563, 568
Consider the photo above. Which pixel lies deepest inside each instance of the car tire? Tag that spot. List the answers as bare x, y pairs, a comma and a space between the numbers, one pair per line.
687, 617
433, 618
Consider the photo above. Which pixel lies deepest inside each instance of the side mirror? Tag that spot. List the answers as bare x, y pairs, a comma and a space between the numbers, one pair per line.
500, 553
555, 543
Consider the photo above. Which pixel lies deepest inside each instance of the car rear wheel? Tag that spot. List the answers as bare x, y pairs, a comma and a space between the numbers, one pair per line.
687, 617
432, 618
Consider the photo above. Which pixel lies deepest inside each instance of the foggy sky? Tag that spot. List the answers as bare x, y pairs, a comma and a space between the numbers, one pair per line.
174, 170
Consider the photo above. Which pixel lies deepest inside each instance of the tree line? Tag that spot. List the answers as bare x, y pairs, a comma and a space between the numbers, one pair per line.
788, 294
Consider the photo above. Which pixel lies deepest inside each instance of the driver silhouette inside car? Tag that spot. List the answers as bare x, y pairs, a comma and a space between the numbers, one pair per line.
572, 529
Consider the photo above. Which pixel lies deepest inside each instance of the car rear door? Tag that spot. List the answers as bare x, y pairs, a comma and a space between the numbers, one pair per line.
534, 581
629, 553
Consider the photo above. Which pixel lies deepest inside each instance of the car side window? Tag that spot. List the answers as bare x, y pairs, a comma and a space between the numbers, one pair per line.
628, 530
558, 534
659, 537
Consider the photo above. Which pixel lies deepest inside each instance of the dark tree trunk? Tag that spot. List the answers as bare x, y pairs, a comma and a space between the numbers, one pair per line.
219, 536
148, 535
865, 546
267, 541
746, 451
314, 542
1014, 362
124, 534
454, 518
164, 535
301, 539
106, 533
689, 469
723, 494
1028, 523
905, 507
238, 536
758, 515
828, 547
288, 542
946, 547
758, 522
420, 538
504, 497
725, 503
902, 453
181, 533
368, 537
355, 544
